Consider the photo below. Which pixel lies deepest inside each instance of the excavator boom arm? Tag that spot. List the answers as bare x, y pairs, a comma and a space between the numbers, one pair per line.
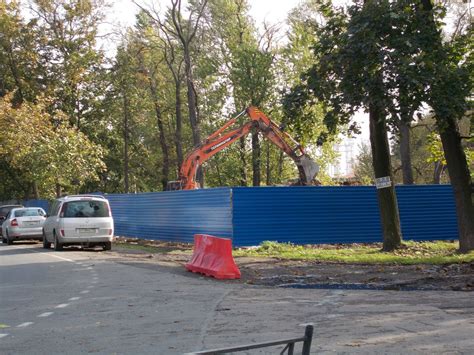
222, 138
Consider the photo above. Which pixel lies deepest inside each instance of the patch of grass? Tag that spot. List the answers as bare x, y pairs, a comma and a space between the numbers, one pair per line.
410, 253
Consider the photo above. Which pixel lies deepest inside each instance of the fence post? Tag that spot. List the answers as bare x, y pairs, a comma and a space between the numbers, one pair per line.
308, 334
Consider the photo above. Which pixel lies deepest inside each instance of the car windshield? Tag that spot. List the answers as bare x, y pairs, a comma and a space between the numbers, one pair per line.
29, 212
85, 208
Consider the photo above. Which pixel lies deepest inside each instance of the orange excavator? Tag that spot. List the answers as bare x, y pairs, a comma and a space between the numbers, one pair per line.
226, 135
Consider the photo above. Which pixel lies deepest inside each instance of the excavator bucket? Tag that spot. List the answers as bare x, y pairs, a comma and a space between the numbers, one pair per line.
309, 167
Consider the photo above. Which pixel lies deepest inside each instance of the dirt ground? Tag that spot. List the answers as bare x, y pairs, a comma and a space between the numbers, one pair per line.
312, 274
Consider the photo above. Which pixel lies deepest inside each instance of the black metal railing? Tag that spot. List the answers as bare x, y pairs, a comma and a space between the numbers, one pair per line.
289, 348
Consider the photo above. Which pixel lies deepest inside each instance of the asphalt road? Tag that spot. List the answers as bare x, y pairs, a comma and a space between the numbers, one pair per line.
77, 301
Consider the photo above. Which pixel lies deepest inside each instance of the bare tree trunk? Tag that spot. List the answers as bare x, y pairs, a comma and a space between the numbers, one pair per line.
450, 138
58, 190
256, 154
35, 190
243, 172
126, 138
438, 170
218, 171
405, 154
15, 74
387, 198
192, 108
161, 131
28, 192
280, 165
192, 100
461, 182
186, 32
179, 126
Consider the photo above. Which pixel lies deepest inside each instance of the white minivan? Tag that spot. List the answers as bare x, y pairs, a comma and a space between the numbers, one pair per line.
79, 220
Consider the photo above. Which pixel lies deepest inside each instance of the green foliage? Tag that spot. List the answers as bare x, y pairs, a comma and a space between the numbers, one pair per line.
19, 57
247, 64
363, 170
435, 148
44, 149
353, 50
306, 123
426, 153
410, 253
71, 66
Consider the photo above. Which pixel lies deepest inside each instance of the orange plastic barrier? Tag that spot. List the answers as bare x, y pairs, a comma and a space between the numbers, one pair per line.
212, 256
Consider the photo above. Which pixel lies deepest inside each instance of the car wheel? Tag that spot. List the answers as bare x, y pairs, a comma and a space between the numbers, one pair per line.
46, 244
57, 246
9, 241
107, 246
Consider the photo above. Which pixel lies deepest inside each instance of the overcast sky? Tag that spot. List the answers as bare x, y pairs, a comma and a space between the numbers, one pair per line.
273, 11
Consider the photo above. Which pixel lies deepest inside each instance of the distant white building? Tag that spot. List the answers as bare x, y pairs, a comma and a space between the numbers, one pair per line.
347, 150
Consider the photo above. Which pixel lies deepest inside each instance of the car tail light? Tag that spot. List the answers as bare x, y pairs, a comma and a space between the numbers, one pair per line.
14, 223
62, 232
110, 231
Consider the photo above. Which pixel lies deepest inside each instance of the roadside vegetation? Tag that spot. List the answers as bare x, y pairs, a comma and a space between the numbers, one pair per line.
411, 253
440, 252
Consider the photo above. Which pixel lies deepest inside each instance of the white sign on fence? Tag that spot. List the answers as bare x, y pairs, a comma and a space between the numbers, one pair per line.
383, 182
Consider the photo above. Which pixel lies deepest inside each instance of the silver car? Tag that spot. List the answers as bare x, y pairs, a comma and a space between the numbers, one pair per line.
23, 223
4, 210
79, 220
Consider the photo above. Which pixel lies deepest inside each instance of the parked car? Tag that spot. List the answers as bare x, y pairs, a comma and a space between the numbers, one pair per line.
4, 210
79, 220
23, 223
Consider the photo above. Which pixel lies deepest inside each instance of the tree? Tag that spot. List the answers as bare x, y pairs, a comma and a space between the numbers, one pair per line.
349, 72
136, 121
124, 76
449, 88
306, 123
427, 156
185, 31
70, 63
249, 60
18, 56
175, 66
252, 77
363, 170
44, 149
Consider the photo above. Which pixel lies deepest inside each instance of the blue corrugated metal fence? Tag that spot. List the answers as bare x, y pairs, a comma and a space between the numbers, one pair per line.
343, 214
44, 204
302, 215
173, 215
